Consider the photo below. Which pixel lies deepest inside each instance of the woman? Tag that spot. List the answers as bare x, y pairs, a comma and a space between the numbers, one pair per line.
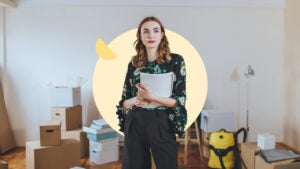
152, 128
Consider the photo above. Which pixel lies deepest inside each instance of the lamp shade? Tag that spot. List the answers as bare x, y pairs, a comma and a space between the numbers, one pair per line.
249, 72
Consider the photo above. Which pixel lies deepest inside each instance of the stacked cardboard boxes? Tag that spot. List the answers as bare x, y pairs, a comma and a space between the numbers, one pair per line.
62, 142
66, 107
71, 119
51, 151
104, 143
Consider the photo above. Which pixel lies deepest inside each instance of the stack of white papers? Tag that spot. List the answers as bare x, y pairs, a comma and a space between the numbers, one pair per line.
160, 85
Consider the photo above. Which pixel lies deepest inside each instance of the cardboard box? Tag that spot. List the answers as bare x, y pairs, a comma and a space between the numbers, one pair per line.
284, 164
103, 136
65, 96
70, 117
266, 141
105, 145
63, 156
104, 151
253, 161
7, 141
80, 136
50, 133
214, 120
100, 157
248, 151
3, 165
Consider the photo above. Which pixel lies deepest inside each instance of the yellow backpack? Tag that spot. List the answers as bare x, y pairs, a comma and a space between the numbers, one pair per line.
224, 150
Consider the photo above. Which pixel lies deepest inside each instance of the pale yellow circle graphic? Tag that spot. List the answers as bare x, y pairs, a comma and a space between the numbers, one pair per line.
109, 76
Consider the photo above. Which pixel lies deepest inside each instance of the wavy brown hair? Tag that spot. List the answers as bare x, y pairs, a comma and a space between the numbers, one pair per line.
163, 50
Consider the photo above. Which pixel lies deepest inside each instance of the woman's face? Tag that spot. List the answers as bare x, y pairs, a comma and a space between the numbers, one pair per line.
151, 34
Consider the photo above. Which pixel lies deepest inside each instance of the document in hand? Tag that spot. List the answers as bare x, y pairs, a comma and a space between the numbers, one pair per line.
159, 84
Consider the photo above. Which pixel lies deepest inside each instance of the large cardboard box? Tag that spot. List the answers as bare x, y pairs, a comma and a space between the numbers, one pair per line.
64, 156
70, 117
7, 140
50, 134
3, 165
214, 120
251, 160
81, 137
285, 164
65, 96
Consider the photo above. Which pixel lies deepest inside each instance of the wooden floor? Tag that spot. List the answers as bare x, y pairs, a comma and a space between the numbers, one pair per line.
16, 160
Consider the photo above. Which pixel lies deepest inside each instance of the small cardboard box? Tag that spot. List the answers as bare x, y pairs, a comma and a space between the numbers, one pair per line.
104, 151
3, 165
50, 133
100, 157
63, 156
70, 117
81, 136
65, 96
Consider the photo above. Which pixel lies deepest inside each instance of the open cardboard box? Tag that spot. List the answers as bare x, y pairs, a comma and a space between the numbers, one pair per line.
253, 161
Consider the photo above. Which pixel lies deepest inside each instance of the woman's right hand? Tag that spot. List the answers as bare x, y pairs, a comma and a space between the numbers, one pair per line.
134, 101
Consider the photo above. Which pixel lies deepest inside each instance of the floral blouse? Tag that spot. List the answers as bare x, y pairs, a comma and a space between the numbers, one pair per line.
177, 116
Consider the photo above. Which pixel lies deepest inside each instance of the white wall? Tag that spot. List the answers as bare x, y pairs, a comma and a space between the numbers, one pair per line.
56, 43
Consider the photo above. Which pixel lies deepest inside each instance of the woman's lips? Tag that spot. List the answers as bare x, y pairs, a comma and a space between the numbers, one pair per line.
151, 41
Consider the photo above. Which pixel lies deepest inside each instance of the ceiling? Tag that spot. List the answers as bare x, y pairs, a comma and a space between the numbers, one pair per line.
199, 3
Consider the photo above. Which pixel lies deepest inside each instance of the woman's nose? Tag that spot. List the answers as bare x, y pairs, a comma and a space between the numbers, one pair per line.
150, 34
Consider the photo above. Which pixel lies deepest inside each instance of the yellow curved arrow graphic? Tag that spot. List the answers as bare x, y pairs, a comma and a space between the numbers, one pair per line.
104, 51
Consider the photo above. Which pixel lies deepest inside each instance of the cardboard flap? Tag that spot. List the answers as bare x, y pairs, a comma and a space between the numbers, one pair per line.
295, 165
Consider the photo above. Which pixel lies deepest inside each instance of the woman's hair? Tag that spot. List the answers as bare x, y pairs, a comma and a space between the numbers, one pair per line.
163, 50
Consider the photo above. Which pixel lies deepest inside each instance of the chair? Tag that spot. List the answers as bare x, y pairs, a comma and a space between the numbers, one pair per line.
188, 139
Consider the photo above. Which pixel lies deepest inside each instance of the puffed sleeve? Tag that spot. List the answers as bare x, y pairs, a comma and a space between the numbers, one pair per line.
178, 116
126, 94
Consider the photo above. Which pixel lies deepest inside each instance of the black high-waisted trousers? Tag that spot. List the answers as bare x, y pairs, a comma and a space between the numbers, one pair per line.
147, 130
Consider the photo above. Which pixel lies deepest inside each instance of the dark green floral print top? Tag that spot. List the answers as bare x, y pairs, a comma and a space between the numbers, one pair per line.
177, 116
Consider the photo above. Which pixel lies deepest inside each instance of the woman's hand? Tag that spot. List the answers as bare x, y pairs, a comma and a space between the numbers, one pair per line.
144, 93
145, 97
135, 101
